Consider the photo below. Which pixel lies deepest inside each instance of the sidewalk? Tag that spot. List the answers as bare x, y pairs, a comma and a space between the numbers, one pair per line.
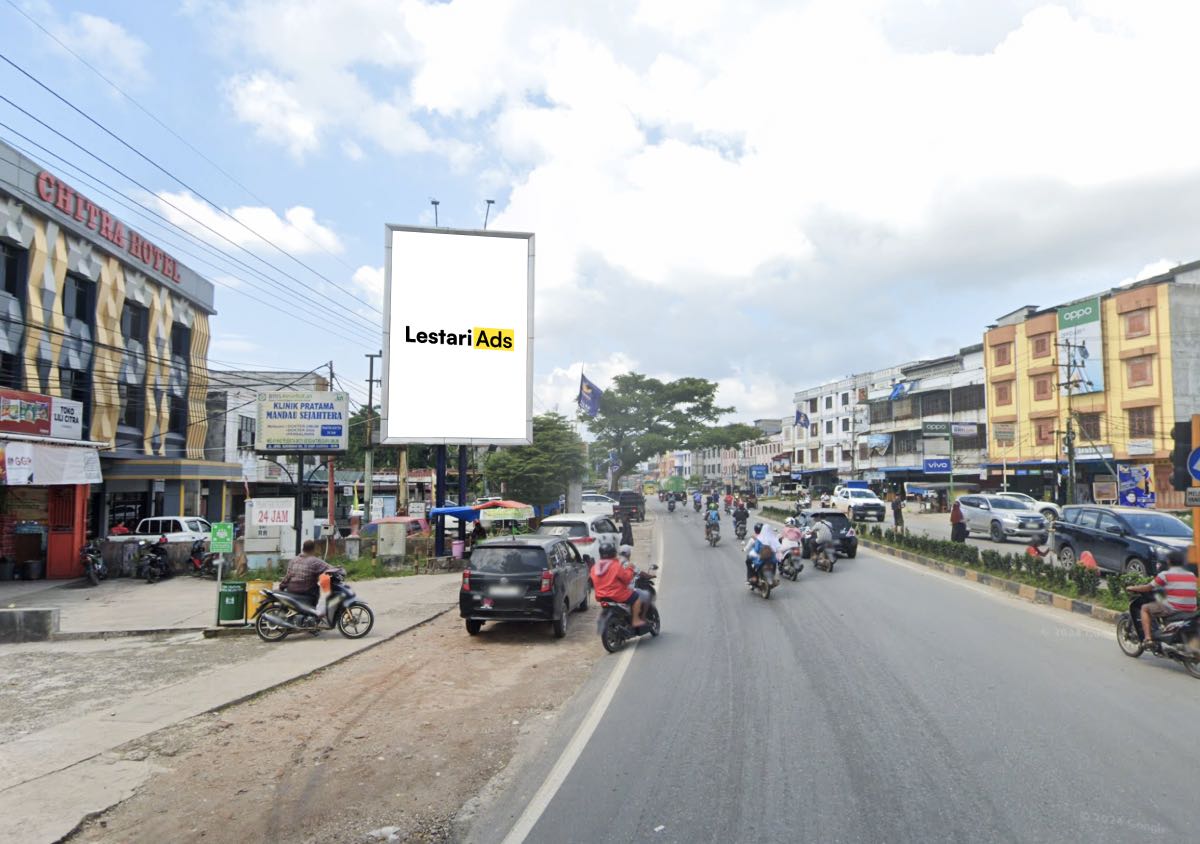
52, 777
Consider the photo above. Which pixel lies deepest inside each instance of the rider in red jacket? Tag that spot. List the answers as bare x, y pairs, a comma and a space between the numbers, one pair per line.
611, 579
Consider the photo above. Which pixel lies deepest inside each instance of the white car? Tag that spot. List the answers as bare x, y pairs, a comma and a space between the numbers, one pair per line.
585, 531
174, 528
859, 503
598, 505
1049, 510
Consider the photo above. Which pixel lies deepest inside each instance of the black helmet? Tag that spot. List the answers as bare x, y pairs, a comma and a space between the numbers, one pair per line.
607, 550
758, 526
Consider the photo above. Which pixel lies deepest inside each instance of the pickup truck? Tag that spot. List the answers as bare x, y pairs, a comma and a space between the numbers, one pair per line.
859, 503
174, 528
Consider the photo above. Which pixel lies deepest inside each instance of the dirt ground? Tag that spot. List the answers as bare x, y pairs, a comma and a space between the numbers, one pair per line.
398, 737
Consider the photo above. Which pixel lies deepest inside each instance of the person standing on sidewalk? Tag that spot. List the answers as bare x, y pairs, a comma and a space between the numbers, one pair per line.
958, 525
898, 512
627, 530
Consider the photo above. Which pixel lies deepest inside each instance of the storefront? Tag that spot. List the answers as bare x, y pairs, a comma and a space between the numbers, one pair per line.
46, 474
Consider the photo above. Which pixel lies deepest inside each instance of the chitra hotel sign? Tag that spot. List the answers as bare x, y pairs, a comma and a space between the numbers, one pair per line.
54, 191
497, 339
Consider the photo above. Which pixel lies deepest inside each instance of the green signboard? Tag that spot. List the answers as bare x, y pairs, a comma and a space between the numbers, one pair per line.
1081, 347
221, 540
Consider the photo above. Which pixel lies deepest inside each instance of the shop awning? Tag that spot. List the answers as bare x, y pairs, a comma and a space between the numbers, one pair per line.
467, 514
42, 461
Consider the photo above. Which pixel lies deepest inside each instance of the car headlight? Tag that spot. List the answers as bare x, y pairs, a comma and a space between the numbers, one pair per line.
1162, 553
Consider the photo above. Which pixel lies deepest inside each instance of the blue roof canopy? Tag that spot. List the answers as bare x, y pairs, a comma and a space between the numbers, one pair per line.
467, 514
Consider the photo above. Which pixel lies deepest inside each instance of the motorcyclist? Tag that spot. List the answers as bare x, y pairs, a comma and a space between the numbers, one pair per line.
822, 537
753, 548
303, 571
740, 514
696, 497
712, 519
1178, 585
611, 581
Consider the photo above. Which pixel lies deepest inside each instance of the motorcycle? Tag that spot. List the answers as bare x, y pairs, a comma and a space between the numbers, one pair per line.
764, 579
283, 613
671, 506
739, 529
152, 562
790, 563
824, 557
1179, 636
696, 506
712, 534
94, 567
201, 564
615, 626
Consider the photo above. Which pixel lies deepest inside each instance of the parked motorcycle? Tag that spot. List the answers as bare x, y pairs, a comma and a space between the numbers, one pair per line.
152, 561
283, 613
1178, 639
94, 567
615, 620
200, 563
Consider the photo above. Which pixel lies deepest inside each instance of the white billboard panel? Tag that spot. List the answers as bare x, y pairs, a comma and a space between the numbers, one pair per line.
457, 337
302, 421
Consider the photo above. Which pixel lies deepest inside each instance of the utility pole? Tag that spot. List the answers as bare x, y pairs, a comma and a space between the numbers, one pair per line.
369, 456
1069, 439
329, 510
950, 496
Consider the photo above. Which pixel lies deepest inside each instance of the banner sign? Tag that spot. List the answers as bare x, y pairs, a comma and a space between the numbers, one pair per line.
1005, 432
302, 421
1141, 447
1136, 485
758, 472
589, 396
1080, 336
781, 465
937, 466
40, 416
43, 464
220, 541
964, 429
878, 444
935, 429
271, 512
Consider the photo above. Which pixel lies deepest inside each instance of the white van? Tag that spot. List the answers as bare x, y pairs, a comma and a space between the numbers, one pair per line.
174, 528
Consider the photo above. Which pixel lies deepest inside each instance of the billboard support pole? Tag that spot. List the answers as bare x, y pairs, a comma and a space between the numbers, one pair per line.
439, 539
462, 490
299, 518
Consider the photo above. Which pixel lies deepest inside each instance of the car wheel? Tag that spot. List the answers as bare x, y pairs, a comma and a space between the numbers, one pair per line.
1066, 556
997, 532
1049, 515
852, 553
1135, 566
561, 623
473, 626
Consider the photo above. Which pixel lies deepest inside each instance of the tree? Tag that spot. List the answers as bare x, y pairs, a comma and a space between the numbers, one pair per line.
727, 436
640, 417
539, 473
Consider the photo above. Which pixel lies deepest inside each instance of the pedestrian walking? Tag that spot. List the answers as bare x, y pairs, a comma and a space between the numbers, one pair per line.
898, 513
627, 531
958, 524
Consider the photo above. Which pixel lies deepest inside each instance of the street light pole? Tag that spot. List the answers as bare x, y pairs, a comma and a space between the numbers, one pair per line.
369, 455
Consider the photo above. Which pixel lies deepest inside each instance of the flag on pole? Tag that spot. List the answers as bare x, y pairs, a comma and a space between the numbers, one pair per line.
589, 396
801, 418
354, 506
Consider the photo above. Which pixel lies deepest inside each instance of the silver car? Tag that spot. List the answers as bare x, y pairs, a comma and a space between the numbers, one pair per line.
1049, 509
1000, 518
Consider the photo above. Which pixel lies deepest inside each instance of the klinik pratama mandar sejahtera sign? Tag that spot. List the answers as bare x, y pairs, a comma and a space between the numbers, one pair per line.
305, 421
457, 337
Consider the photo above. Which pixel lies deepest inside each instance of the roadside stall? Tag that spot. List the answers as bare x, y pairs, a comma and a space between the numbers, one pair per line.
506, 516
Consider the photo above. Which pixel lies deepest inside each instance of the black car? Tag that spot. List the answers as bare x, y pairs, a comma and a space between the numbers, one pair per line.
523, 578
1121, 539
631, 505
844, 538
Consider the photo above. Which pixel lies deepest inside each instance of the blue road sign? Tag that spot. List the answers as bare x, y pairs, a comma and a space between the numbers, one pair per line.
1194, 463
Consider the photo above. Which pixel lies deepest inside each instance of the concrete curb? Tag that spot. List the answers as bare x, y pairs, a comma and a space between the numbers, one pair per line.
1020, 590
118, 634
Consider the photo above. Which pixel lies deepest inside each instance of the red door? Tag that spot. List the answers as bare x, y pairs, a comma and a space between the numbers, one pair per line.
68, 530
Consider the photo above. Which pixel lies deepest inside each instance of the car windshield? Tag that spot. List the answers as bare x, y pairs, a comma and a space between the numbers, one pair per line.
1157, 524
196, 526
508, 560
861, 493
1018, 496
1008, 504
571, 529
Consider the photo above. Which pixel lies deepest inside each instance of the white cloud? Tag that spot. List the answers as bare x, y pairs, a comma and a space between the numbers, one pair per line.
370, 281
118, 54
265, 102
297, 231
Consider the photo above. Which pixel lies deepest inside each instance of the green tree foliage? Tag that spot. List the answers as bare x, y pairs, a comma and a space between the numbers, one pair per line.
386, 457
726, 436
538, 473
640, 417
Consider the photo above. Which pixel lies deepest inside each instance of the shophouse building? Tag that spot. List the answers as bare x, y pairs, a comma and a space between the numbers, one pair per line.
96, 315
1108, 375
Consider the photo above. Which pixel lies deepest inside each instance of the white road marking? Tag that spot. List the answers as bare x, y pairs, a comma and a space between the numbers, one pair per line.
583, 734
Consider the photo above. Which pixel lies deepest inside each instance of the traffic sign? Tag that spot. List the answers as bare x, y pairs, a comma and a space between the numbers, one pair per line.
1194, 464
221, 539
1192, 497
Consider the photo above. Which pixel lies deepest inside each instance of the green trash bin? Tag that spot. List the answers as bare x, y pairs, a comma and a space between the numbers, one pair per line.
232, 606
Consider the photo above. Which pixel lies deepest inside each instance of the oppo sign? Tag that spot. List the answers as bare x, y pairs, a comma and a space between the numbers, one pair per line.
1079, 314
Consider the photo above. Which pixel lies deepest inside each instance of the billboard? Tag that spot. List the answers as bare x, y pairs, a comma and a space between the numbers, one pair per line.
936, 466
1082, 347
457, 337
1136, 485
42, 416
295, 421
781, 465
758, 472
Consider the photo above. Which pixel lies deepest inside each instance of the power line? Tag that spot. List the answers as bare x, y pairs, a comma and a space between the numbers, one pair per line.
144, 213
169, 130
191, 217
170, 175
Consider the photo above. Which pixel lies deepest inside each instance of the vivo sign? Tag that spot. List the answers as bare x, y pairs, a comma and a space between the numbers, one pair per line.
937, 466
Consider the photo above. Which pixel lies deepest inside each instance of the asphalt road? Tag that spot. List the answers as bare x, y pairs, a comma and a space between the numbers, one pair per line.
879, 703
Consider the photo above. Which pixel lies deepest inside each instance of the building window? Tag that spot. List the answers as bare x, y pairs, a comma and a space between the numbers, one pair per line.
78, 298
1139, 371
829, 455
1089, 426
1040, 346
846, 424
1002, 354
181, 341
845, 399
1043, 432
829, 426
902, 409
813, 430
814, 454
812, 405
11, 280
881, 411
1137, 323
845, 455
938, 402
1141, 422
1004, 393
829, 402
864, 451
135, 326
970, 397
1043, 388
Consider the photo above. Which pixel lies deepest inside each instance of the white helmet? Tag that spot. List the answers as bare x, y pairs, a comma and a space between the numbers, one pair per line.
625, 551
789, 521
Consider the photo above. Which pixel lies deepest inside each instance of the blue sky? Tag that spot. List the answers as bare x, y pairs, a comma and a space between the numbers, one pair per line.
767, 194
